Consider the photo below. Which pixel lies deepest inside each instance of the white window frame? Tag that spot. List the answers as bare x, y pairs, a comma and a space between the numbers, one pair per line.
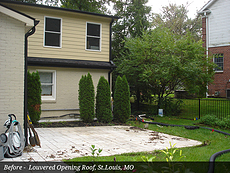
93, 37
218, 71
53, 97
52, 32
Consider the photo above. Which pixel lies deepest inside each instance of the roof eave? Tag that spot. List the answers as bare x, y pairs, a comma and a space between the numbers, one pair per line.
206, 6
29, 21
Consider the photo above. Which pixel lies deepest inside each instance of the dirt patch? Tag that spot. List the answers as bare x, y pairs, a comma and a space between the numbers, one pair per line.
137, 128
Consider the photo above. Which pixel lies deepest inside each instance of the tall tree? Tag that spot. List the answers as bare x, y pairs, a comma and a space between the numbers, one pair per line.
175, 17
167, 61
96, 6
135, 18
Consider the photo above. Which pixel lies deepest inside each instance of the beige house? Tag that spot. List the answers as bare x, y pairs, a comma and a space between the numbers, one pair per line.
15, 27
66, 45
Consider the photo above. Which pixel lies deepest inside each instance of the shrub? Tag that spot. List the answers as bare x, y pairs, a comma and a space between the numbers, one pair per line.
208, 119
212, 120
122, 108
103, 101
171, 107
221, 124
126, 96
34, 96
227, 121
86, 98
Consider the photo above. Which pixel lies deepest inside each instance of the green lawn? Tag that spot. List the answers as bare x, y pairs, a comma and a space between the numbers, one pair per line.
190, 108
218, 107
212, 141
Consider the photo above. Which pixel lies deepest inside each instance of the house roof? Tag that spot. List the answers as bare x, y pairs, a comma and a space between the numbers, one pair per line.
59, 8
54, 62
28, 20
206, 6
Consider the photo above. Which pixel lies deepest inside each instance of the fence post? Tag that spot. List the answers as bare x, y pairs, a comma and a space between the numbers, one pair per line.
199, 108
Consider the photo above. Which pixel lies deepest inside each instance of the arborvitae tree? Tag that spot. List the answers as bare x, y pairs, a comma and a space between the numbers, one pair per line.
103, 101
81, 95
117, 111
121, 99
86, 98
34, 96
126, 107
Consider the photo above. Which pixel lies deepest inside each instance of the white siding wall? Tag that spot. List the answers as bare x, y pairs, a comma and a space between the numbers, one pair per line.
12, 34
219, 24
67, 86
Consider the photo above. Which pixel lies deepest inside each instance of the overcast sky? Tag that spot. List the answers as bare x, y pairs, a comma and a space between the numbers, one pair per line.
193, 5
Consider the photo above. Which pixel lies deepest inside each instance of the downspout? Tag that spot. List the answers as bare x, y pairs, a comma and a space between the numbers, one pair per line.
207, 37
207, 41
110, 52
29, 33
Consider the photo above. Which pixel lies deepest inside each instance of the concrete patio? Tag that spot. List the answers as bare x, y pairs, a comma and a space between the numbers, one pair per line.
68, 143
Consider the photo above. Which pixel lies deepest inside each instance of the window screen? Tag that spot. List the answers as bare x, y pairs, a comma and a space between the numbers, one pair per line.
52, 32
93, 30
93, 36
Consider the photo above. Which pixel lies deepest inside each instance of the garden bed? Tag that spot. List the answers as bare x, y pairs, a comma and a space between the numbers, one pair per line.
72, 124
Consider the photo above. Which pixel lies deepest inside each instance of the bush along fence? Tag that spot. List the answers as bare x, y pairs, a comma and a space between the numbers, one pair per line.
196, 108
187, 108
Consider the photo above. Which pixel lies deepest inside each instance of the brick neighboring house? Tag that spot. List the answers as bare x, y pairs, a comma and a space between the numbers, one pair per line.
216, 38
14, 31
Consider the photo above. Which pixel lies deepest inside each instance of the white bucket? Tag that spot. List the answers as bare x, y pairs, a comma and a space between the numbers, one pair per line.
160, 112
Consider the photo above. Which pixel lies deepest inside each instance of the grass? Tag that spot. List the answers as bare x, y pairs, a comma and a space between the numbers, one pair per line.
212, 143
190, 108
218, 107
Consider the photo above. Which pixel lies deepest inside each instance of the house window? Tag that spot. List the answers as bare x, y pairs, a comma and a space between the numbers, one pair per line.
52, 34
48, 84
219, 61
93, 36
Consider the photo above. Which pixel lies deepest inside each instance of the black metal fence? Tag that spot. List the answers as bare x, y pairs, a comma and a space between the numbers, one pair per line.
196, 108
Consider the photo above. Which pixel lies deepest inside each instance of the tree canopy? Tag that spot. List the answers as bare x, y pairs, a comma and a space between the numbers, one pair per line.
135, 18
175, 17
96, 6
166, 61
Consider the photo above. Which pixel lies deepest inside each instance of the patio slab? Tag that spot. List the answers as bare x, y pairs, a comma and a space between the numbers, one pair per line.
71, 142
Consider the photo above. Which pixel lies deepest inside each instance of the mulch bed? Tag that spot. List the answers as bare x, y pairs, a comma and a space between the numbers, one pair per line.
73, 124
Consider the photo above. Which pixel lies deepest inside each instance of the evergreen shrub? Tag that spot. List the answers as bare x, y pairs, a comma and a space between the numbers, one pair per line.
86, 98
103, 101
122, 107
34, 96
